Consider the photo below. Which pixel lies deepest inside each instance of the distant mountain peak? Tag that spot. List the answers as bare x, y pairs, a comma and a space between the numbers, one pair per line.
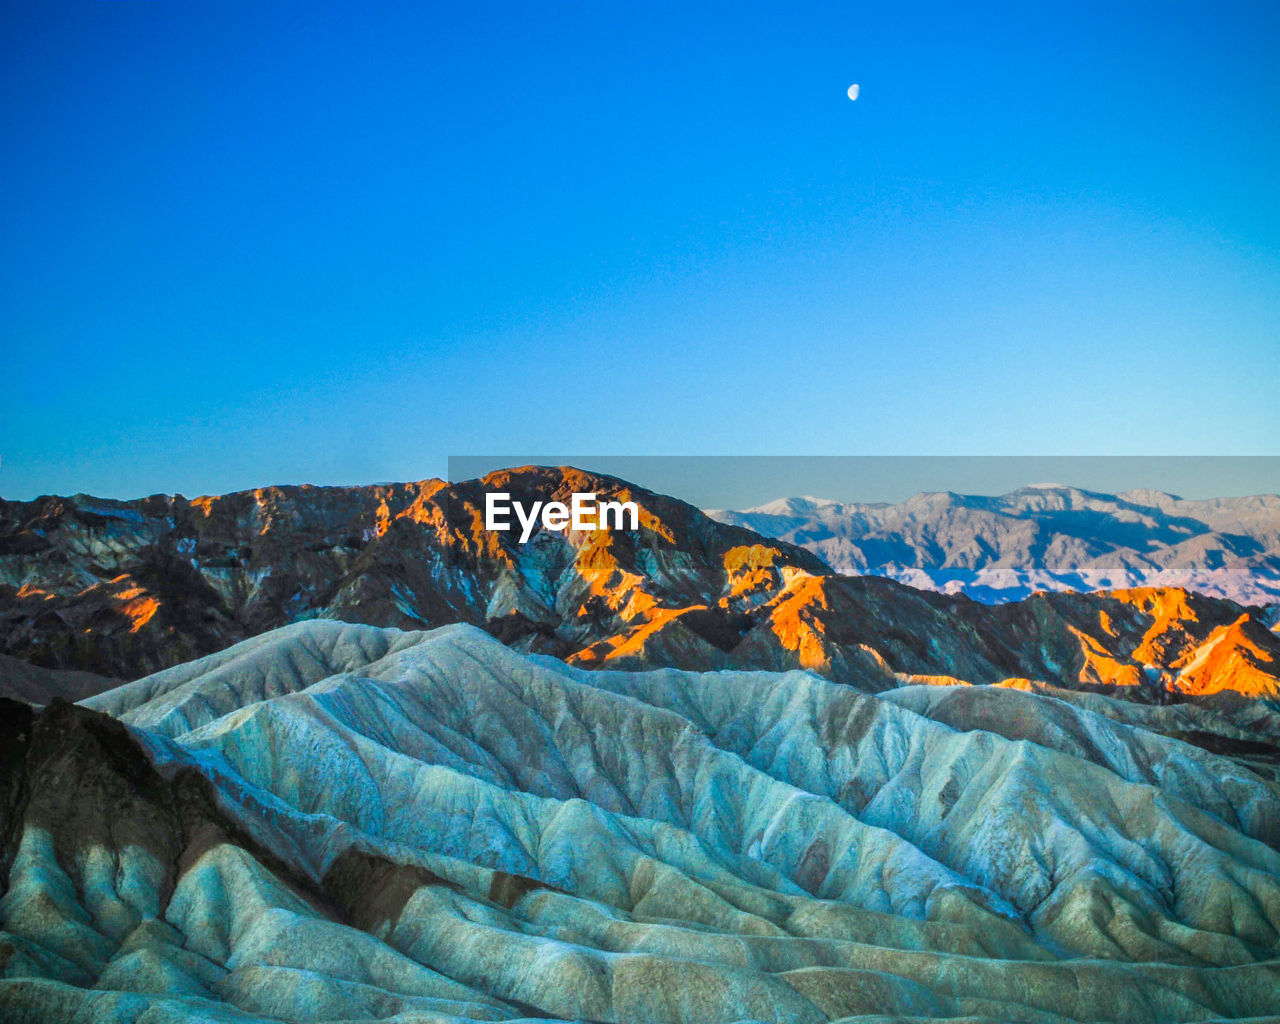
795, 506
1149, 496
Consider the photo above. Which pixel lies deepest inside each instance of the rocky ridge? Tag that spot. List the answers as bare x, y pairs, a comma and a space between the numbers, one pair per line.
1046, 537
339, 822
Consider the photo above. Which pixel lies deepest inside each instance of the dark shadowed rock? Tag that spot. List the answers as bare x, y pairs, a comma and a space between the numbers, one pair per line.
20, 680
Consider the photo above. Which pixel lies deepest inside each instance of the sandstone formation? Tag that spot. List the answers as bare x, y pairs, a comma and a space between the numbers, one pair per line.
341, 822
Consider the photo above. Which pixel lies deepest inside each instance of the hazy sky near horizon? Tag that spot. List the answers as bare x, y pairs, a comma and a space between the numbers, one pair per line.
252, 243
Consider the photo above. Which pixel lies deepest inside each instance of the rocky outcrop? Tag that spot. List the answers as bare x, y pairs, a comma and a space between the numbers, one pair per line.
337, 822
1046, 537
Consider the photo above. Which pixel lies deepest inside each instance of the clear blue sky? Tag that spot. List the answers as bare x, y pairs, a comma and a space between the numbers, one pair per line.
245, 243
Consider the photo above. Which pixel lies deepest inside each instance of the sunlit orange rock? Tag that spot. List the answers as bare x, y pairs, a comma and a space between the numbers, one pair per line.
794, 619
1243, 657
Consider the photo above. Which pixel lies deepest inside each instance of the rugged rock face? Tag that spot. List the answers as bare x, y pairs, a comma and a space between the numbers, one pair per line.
1041, 538
337, 822
127, 587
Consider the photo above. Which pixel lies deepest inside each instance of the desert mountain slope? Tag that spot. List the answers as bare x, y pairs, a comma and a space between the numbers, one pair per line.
1046, 537
129, 587
20, 680
338, 822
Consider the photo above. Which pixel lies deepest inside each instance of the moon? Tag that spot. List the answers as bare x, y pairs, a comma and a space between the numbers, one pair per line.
853, 91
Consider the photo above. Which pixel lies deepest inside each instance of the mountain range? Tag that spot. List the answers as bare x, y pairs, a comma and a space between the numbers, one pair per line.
1045, 537
125, 588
